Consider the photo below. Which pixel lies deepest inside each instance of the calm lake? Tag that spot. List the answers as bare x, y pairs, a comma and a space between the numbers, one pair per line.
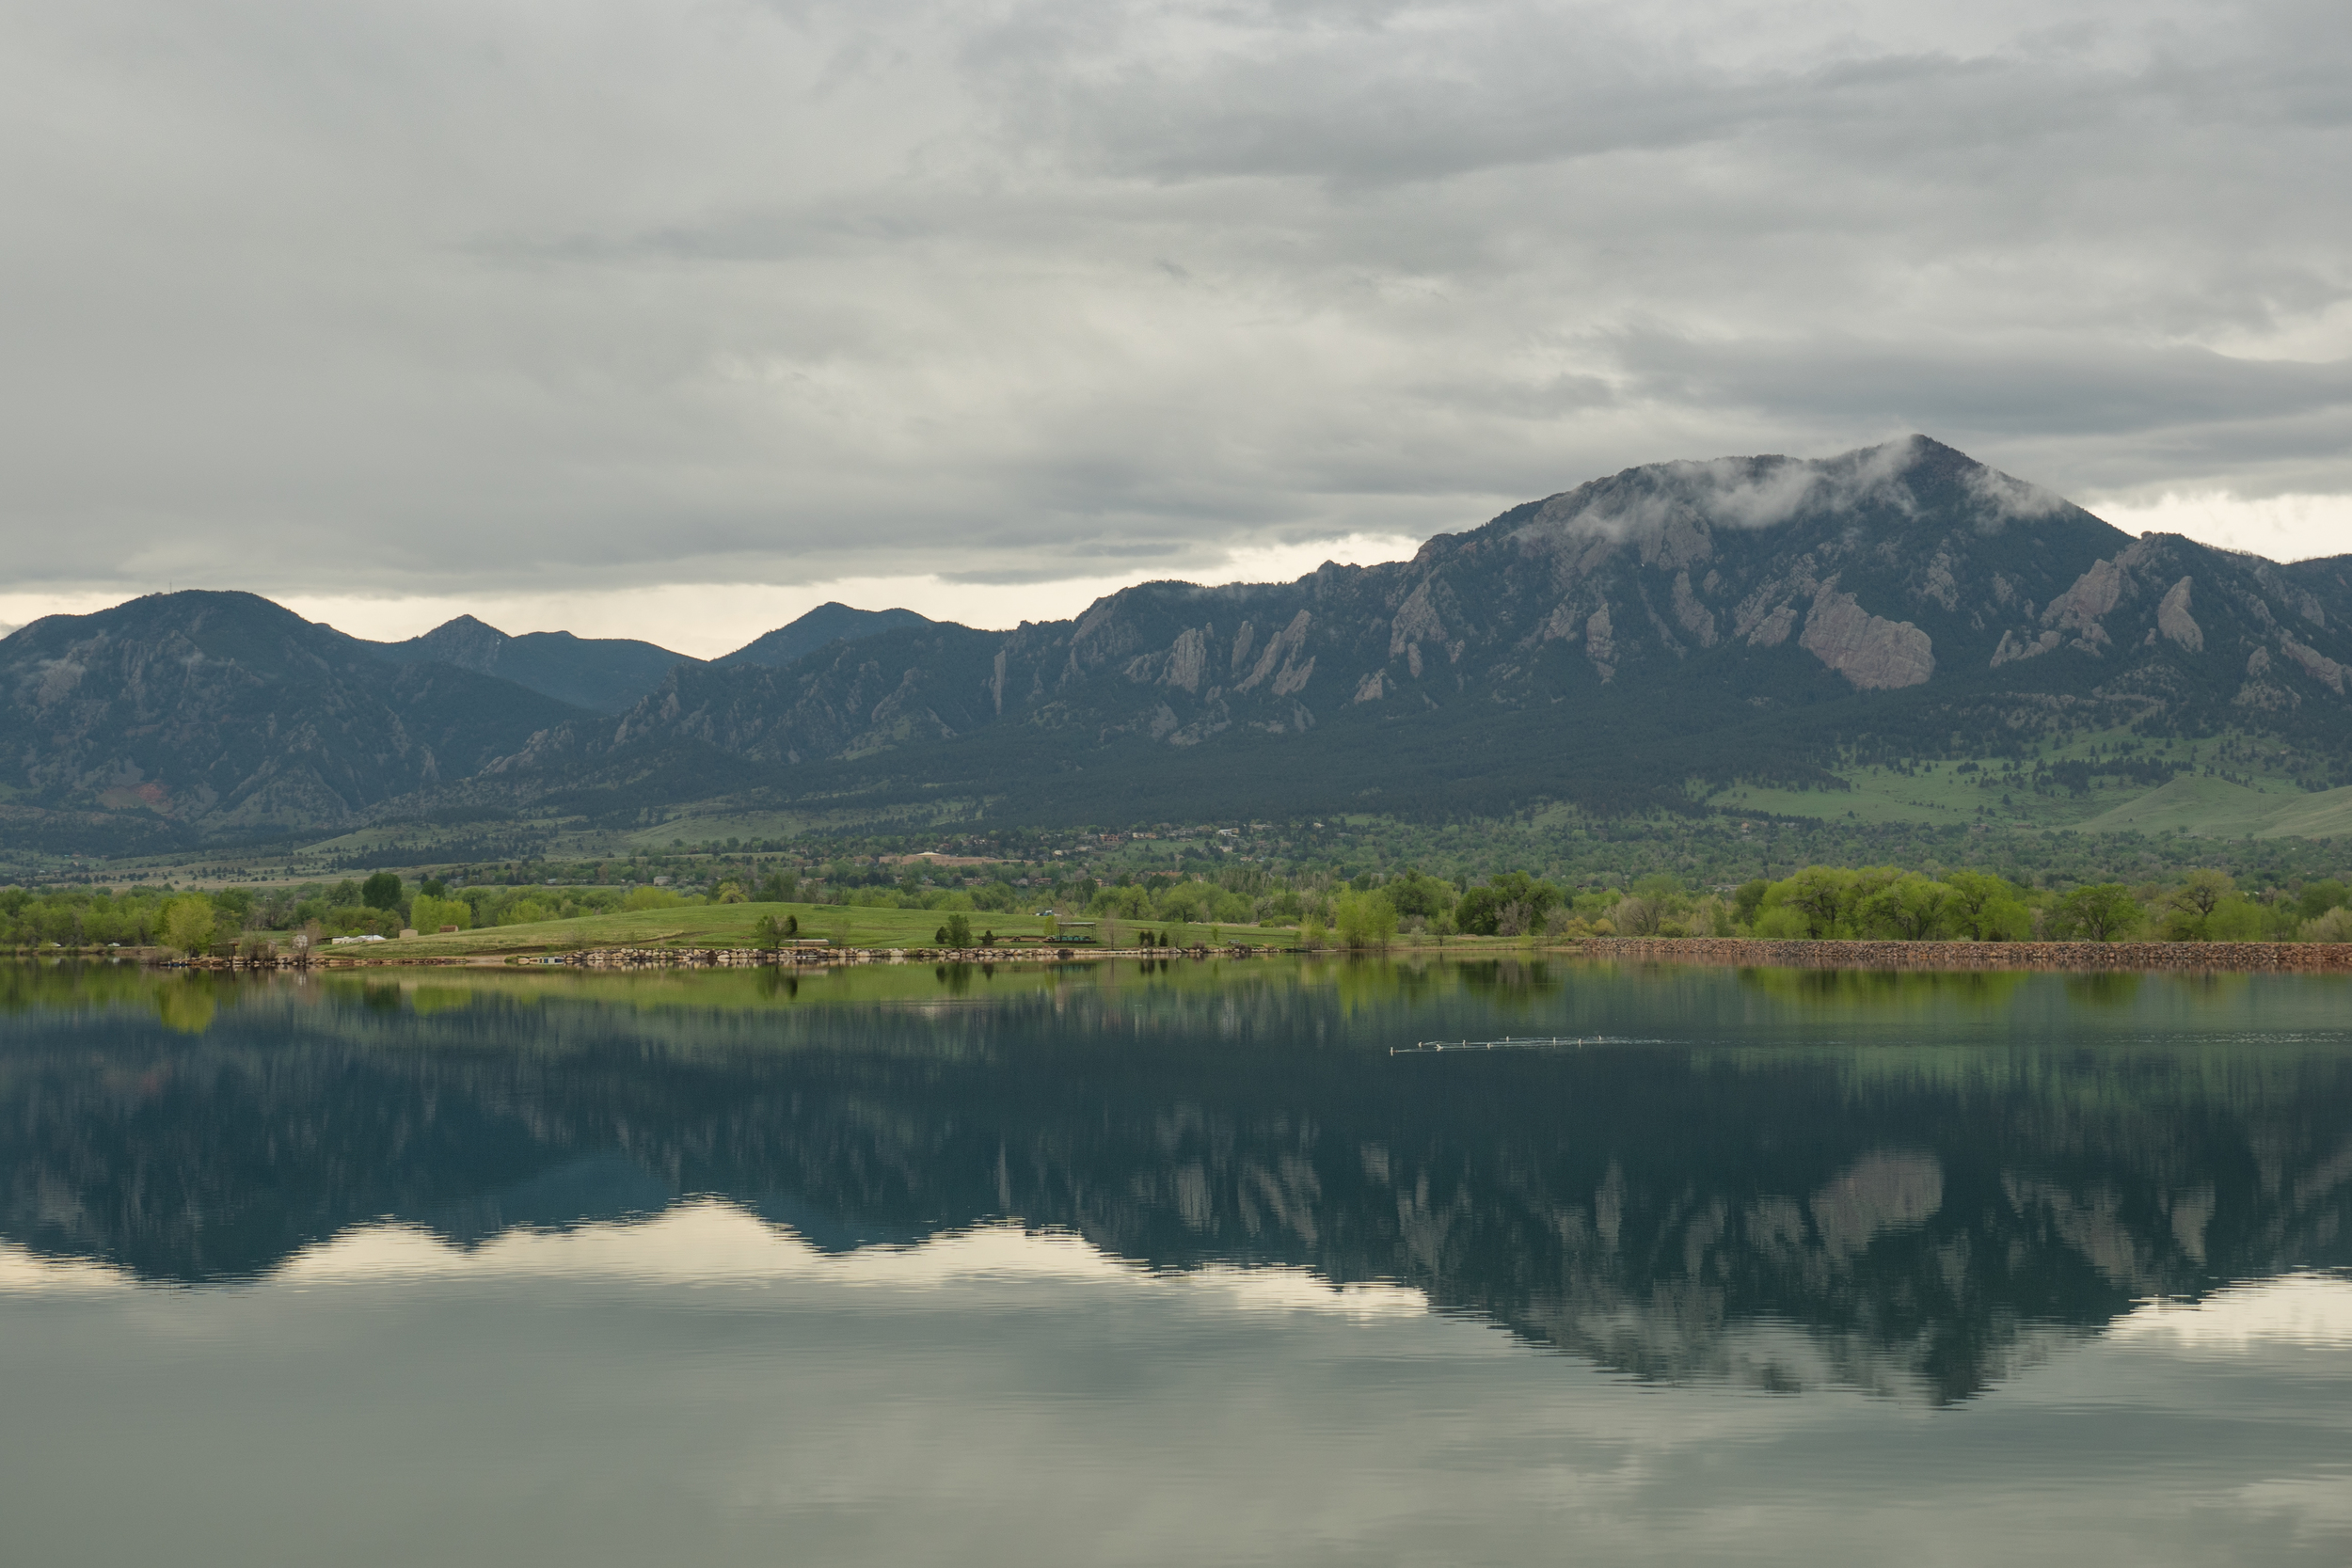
1182, 1264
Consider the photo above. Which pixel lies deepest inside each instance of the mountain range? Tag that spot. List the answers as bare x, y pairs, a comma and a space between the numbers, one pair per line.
610, 674
1627, 645
178, 717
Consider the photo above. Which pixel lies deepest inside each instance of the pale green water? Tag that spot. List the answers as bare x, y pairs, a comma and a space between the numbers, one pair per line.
1176, 1265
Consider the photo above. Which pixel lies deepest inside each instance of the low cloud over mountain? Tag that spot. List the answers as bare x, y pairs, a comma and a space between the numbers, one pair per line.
513, 299
1680, 624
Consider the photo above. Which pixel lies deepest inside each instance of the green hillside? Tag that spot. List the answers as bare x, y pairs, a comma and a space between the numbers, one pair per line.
2325, 814
2224, 786
2215, 808
1932, 793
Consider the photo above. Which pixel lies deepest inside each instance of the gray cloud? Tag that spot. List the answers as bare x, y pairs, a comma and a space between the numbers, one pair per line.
2023, 389
439, 299
1750, 495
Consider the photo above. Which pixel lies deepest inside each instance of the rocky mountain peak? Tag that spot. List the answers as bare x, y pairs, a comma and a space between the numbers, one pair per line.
1680, 621
469, 643
1764, 596
1668, 512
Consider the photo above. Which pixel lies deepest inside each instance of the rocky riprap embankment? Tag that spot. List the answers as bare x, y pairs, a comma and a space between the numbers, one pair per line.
1765, 953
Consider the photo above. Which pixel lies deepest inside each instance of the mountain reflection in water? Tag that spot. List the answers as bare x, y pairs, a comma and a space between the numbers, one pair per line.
1912, 1183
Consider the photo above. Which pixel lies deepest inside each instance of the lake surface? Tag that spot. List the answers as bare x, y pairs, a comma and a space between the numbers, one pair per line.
1190, 1263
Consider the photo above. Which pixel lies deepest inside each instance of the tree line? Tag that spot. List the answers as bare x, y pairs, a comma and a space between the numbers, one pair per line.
380, 905
1370, 909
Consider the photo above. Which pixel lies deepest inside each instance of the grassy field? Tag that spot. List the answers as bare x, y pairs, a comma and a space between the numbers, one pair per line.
730, 925
2214, 808
1936, 793
715, 822
1942, 794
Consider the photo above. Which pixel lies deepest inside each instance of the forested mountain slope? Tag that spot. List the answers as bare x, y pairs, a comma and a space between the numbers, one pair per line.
1631, 643
604, 675
832, 622
190, 714
1676, 623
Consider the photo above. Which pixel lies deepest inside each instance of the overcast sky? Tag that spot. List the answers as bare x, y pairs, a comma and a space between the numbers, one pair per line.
674, 317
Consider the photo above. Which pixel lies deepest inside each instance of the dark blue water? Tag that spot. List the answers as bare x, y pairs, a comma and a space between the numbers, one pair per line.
1176, 1265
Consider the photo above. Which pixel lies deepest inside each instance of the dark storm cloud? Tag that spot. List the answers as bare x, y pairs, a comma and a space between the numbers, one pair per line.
438, 297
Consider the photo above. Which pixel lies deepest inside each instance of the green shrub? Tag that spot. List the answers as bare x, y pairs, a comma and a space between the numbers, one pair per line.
1363, 919
188, 924
2318, 898
2333, 926
1511, 898
429, 914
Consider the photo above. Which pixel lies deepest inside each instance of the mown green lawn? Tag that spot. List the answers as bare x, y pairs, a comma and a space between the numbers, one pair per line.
730, 925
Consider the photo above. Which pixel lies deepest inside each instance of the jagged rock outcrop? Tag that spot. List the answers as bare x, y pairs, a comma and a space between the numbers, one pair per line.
2174, 621
1871, 652
1617, 621
1678, 622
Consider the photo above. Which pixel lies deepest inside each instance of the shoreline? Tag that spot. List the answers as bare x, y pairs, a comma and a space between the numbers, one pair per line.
2074, 956
1717, 952
693, 958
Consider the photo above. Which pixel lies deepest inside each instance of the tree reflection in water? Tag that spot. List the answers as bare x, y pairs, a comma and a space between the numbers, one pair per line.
1903, 1181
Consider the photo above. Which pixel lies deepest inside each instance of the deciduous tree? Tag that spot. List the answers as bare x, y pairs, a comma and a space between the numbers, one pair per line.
188, 924
1363, 919
1819, 895
1909, 909
1985, 908
2101, 912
